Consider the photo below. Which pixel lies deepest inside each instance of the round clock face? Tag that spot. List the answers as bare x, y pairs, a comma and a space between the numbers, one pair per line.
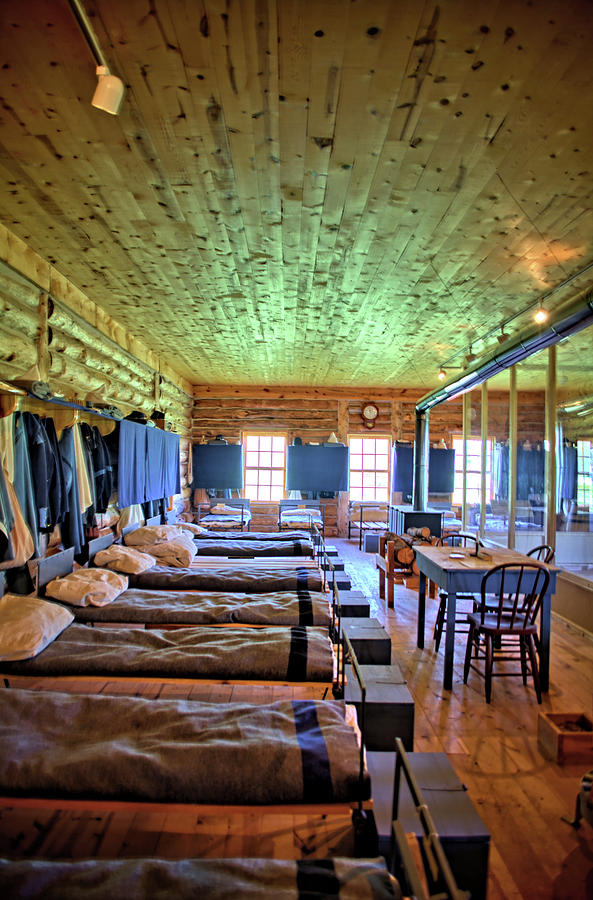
370, 411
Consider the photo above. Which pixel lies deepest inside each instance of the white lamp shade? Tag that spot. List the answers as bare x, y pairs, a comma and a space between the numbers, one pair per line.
109, 92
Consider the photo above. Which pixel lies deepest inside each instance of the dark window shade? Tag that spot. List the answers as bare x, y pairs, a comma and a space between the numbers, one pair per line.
441, 470
316, 468
218, 466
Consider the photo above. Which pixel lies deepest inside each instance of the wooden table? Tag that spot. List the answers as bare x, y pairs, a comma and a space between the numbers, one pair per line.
465, 576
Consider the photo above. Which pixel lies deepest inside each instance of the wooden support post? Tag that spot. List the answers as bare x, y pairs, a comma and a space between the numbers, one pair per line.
550, 445
513, 430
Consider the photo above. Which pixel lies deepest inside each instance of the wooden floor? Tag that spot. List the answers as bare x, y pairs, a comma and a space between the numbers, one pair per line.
519, 795
493, 748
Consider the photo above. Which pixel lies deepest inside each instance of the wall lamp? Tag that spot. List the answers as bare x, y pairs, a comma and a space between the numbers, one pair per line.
110, 89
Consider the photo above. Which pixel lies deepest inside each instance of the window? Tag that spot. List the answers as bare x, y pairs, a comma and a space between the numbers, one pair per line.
369, 468
584, 472
474, 470
265, 463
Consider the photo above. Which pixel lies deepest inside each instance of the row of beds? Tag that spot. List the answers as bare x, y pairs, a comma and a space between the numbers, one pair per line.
260, 620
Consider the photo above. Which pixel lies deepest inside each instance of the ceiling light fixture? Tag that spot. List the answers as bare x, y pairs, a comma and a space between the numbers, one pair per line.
503, 336
541, 315
471, 357
110, 89
442, 374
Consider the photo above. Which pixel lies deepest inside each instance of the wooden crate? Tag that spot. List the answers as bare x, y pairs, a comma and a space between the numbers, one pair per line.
565, 737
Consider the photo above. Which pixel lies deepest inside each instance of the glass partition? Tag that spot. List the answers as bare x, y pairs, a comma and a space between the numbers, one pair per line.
530, 491
574, 454
496, 518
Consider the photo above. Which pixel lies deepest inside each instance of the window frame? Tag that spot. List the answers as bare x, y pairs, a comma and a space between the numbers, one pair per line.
259, 434
457, 437
387, 495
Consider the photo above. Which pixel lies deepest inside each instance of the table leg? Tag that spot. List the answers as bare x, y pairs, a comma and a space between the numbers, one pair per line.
450, 640
421, 610
544, 642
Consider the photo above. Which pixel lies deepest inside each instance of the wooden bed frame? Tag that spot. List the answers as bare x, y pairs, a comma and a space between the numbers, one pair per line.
376, 524
360, 806
309, 504
242, 503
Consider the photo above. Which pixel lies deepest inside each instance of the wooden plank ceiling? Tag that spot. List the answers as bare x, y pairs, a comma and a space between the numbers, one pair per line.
338, 192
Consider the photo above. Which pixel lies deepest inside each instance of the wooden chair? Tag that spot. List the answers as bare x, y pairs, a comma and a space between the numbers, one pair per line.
545, 553
520, 590
454, 539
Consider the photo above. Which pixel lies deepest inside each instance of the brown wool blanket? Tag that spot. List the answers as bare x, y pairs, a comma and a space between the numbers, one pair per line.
177, 751
254, 654
212, 608
251, 579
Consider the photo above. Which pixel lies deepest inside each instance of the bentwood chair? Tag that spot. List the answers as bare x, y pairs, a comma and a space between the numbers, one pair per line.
545, 553
459, 539
519, 590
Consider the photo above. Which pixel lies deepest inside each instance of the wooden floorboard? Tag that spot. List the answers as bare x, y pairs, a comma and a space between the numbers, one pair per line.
493, 748
519, 795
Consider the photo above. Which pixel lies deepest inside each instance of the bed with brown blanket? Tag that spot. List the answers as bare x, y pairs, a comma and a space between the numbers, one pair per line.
256, 578
239, 549
130, 749
236, 653
186, 879
274, 536
154, 607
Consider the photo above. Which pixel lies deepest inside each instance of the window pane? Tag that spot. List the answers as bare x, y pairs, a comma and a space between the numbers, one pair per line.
265, 442
278, 477
265, 476
355, 480
368, 479
278, 443
356, 445
251, 476
382, 446
382, 462
265, 460
382, 479
355, 462
368, 462
278, 460
251, 442
251, 458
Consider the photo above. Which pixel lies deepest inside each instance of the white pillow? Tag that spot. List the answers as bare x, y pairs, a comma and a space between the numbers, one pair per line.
28, 625
191, 527
88, 587
151, 534
178, 553
124, 559
221, 510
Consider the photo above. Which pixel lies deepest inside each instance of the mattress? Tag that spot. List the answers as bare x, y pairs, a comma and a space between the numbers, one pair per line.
255, 654
300, 519
212, 608
239, 548
213, 520
184, 879
77, 746
255, 536
250, 579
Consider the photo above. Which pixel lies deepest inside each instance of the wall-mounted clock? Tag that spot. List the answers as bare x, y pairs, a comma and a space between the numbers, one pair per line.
370, 411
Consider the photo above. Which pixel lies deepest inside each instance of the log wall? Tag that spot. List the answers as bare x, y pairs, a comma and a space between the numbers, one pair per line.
313, 414
51, 332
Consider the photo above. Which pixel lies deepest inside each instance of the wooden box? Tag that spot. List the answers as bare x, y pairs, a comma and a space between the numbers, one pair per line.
565, 737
